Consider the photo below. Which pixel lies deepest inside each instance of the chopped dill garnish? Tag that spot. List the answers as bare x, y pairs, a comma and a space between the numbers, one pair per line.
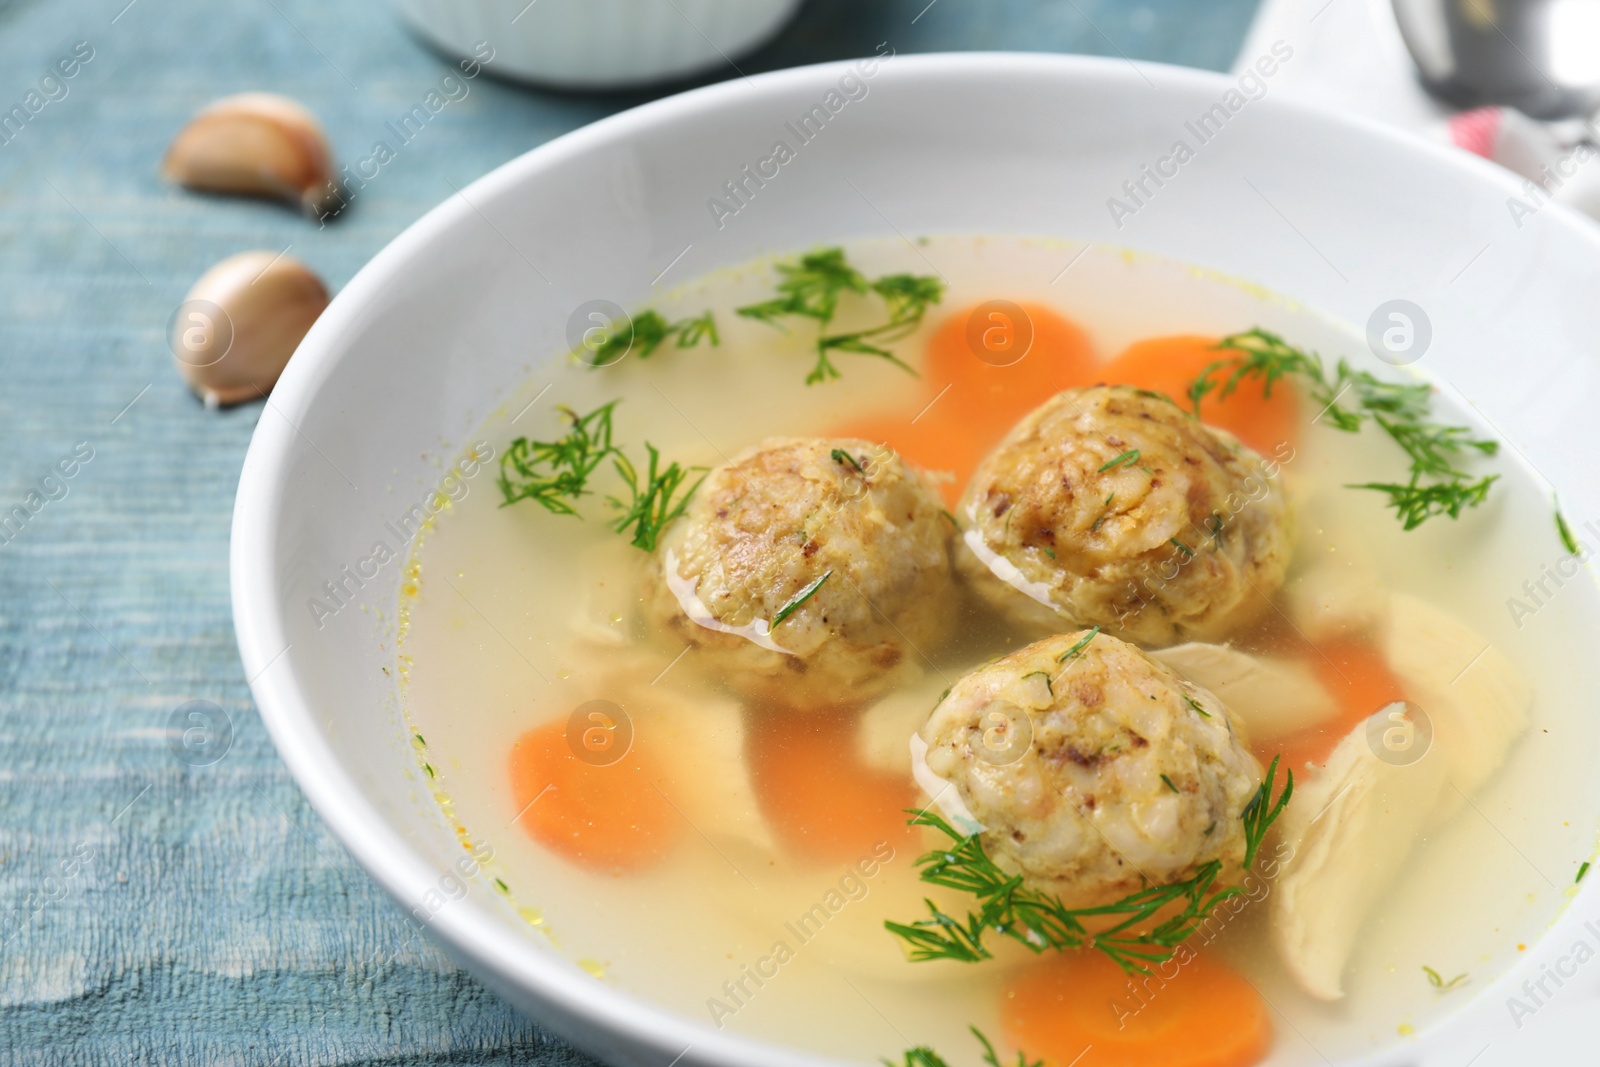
555, 474
945, 512
498, 884
811, 286
1257, 814
1185, 549
1135, 940
1048, 687
419, 739
841, 456
942, 695
1195, 704
650, 331
1083, 643
800, 598
1210, 828
1437, 486
1168, 783
1103, 514
1214, 524
650, 507
429, 768
1127, 459
923, 1056
1050, 552
1583, 870
1438, 982
1415, 503
1568, 542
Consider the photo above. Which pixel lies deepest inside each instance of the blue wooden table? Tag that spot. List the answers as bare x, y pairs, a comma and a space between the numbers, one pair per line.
154, 907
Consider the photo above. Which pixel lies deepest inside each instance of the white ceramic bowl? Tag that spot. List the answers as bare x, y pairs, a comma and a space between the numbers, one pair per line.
599, 44
431, 335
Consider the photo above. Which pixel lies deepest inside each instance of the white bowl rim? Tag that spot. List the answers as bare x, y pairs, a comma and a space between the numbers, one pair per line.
471, 933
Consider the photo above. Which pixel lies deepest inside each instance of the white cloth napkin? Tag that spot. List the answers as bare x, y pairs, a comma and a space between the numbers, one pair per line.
1349, 56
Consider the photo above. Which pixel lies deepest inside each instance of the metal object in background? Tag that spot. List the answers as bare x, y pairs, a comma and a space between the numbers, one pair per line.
1540, 56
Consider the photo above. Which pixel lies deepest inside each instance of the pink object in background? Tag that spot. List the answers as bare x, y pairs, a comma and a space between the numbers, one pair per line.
1350, 57
1556, 157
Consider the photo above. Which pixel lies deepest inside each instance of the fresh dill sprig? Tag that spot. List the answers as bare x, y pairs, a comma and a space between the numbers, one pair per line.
1127, 459
798, 599
918, 1056
555, 474
1437, 486
1582, 870
923, 1056
1439, 982
811, 287
841, 456
1564, 531
1181, 547
1259, 816
1041, 921
648, 333
1103, 514
1082, 643
650, 507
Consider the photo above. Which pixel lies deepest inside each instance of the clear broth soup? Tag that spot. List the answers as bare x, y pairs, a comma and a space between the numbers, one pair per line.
514, 618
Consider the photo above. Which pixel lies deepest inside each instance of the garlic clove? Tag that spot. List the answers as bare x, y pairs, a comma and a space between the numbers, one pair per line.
256, 144
235, 331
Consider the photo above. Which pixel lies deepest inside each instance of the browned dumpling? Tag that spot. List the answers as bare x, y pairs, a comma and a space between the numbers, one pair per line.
810, 571
1092, 775
1111, 506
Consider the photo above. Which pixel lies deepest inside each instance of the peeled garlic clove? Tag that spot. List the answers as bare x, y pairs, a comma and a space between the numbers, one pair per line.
237, 328
256, 144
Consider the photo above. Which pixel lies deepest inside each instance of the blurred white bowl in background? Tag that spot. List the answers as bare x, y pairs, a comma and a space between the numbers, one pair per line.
599, 44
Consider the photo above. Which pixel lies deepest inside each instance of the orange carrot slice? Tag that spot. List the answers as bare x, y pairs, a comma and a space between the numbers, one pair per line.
1197, 1014
1354, 672
1170, 364
815, 791
989, 392
606, 818
970, 400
